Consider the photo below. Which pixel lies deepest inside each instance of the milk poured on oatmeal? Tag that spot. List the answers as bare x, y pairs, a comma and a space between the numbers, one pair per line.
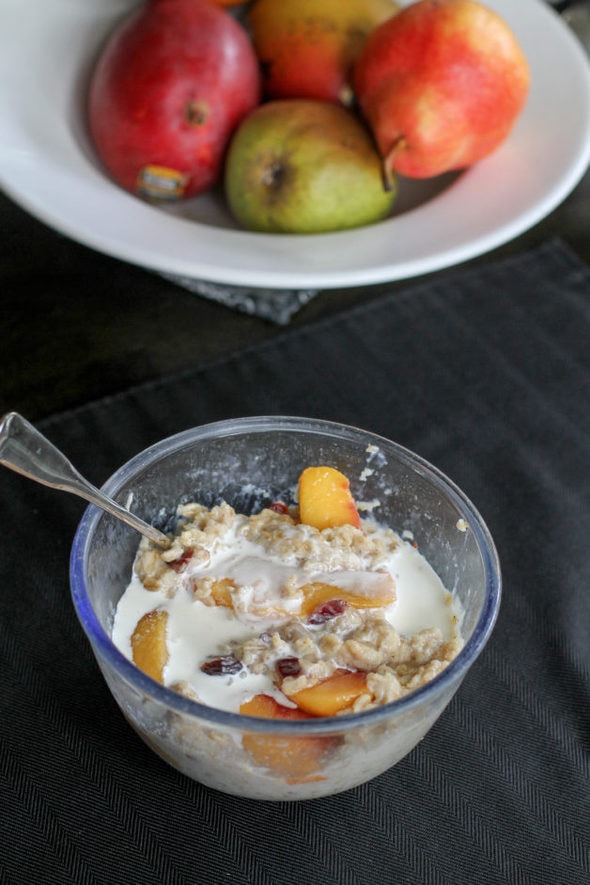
240, 597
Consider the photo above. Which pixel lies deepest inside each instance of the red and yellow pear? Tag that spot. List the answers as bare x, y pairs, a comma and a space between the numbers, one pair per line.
307, 48
441, 85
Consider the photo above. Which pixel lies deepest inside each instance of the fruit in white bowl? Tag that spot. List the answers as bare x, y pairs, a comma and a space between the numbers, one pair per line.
302, 166
307, 49
441, 85
170, 86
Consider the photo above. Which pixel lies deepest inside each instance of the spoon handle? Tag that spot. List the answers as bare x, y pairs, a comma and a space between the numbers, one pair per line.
26, 451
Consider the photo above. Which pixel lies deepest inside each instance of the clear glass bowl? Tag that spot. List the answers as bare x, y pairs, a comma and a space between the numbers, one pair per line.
243, 461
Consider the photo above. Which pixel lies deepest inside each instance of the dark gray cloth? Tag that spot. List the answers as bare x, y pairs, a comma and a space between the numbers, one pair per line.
485, 372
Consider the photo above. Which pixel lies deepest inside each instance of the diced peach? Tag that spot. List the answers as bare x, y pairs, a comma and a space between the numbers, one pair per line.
264, 706
332, 695
221, 592
317, 593
148, 643
298, 759
325, 499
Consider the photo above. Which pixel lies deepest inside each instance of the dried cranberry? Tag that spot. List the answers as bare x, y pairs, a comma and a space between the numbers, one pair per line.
182, 560
288, 667
279, 507
223, 666
327, 611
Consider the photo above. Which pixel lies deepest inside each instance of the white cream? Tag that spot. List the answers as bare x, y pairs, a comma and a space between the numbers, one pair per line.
197, 631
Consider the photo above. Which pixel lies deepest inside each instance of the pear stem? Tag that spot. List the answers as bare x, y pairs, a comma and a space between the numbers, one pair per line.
388, 160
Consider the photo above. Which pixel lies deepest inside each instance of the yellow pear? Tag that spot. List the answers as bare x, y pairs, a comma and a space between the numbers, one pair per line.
308, 48
299, 166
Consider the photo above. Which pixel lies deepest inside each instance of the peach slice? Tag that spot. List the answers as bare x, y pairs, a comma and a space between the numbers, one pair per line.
298, 759
148, 644
332, 695
325, 499
221, 592
317, 593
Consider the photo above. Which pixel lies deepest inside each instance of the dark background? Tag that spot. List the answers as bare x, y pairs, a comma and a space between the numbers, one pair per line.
77, 325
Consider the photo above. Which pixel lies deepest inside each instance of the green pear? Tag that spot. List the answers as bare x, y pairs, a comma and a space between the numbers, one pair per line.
304, 166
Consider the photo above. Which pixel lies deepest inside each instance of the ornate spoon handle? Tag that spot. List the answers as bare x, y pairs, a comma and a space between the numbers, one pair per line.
26, 451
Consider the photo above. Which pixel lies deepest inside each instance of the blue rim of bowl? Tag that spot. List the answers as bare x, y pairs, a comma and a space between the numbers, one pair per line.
452, 674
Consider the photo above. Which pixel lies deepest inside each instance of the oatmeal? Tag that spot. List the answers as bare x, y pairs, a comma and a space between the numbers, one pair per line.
246, 611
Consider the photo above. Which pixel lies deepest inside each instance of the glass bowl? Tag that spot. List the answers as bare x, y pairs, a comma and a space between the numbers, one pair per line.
247, 462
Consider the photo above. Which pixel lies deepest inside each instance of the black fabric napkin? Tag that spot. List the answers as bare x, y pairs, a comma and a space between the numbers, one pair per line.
485, 372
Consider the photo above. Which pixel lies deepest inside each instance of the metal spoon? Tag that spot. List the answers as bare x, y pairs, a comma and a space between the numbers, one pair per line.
25, 450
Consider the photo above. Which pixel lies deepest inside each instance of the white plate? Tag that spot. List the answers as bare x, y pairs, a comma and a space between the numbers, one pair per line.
47, 165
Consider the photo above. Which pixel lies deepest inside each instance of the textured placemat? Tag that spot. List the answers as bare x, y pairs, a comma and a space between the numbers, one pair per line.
487, 374
277, 305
